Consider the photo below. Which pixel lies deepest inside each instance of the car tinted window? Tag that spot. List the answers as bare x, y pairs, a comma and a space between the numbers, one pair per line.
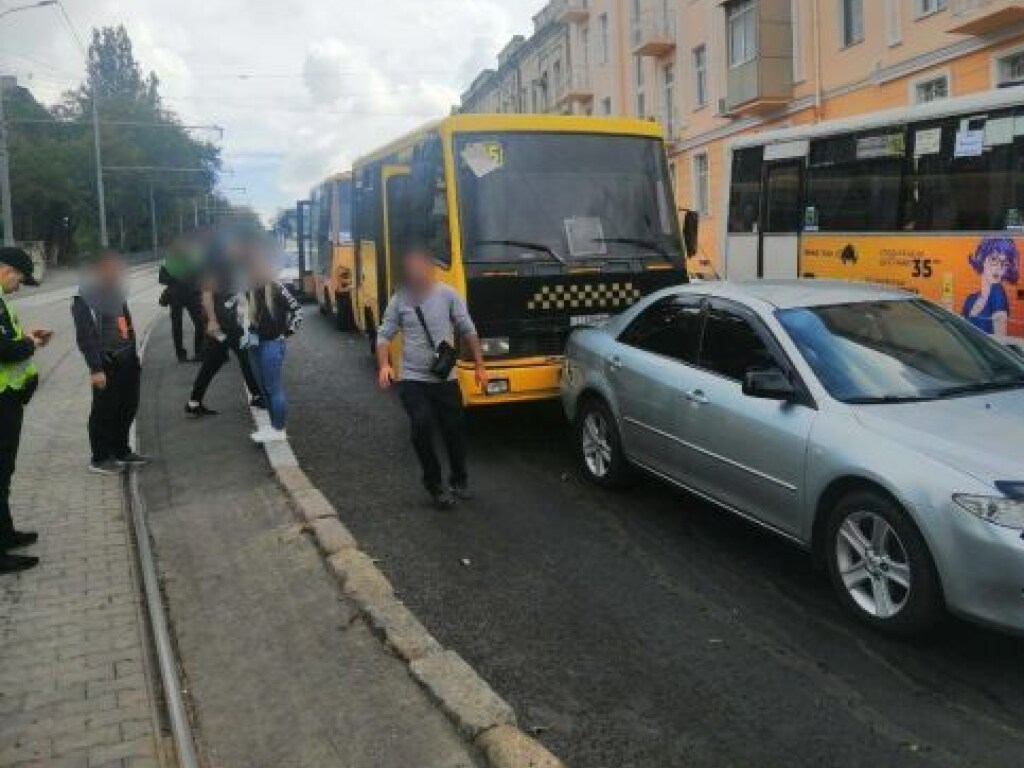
731, 345
670, 327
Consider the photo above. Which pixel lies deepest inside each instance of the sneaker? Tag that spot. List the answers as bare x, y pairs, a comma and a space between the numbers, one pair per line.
18, 539
106, 467
198, 410
133, 459
443, 500
258, 402
461, 492
16, 563
268, 435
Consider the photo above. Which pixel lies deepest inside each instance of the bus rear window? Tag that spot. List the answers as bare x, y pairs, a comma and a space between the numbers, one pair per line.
745, 200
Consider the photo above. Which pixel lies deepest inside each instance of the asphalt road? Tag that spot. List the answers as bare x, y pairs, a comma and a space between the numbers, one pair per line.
643, 628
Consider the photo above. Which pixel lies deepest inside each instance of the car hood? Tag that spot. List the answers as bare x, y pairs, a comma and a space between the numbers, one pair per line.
982, 435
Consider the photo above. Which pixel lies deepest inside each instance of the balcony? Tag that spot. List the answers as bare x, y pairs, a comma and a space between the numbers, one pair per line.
763, 82
572, 11
575, 86
979, 17
654, 34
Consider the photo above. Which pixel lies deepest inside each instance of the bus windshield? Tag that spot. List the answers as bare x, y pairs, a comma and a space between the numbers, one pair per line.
565, 198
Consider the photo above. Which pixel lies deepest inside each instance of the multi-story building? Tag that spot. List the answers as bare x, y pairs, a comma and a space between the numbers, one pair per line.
710, 70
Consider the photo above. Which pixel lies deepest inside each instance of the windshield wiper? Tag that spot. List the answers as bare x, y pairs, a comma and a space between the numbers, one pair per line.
886, 399
658, 249
539, 247
983, 386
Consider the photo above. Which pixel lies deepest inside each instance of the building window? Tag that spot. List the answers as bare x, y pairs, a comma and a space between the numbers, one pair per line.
851, 20
638, 72
893, 22
606, 105
641, 105
1010, 69
603, 23
700, 77
668, 100
926, 7
701, 184
931, 89
585, 46
742, 31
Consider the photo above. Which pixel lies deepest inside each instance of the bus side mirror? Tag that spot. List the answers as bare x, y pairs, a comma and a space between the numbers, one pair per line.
691, 227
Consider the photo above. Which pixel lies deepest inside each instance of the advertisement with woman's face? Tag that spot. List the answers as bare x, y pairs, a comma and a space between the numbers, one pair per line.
976, 276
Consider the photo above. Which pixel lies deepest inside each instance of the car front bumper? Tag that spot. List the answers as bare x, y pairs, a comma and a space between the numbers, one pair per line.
983, 572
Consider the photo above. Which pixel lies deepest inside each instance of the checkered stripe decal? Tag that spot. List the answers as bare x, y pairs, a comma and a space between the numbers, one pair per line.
593, 296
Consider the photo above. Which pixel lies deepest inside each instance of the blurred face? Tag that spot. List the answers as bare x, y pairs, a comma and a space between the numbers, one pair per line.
10, 278
110, 271
994, 268
418, 268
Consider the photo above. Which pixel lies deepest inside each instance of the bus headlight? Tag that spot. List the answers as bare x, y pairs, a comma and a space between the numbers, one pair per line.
496, 347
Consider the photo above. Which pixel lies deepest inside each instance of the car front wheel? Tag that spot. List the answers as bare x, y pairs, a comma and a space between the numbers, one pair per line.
598, 445
880, 565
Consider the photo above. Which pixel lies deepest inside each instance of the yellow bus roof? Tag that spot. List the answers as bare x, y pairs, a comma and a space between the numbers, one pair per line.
476, 123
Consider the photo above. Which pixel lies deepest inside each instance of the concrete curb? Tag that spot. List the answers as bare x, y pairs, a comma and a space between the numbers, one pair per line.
477, 711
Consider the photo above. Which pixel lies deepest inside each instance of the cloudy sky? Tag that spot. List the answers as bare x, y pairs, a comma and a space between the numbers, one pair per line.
301, 88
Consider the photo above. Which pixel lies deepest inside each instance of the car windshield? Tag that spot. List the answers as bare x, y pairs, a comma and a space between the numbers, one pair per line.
565, 198
899, 350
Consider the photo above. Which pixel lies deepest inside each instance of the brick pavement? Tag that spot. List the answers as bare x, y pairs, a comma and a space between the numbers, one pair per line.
74, 680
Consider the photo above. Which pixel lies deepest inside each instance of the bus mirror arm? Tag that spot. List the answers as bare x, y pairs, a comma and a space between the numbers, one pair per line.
691, 228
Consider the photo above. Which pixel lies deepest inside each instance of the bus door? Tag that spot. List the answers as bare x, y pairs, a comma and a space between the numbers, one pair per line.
395, 185
778, 255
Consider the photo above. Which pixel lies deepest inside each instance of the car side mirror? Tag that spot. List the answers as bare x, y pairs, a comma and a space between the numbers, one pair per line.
770, 383
691, 228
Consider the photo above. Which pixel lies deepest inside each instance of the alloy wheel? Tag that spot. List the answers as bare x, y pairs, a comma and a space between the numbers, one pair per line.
597, 444
873, 564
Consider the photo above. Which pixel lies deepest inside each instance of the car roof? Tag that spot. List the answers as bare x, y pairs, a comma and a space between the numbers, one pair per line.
786, 294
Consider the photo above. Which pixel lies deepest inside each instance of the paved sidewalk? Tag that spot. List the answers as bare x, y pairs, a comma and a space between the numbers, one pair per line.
281, 670
74, 686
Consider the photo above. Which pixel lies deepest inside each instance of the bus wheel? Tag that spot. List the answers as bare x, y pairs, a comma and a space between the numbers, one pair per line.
345, 318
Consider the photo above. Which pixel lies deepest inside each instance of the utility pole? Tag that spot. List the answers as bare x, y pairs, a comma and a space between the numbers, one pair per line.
152, 217
100, 196
195, 213
5, 173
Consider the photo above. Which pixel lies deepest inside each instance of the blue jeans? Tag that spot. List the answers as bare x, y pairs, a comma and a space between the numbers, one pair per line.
268, 363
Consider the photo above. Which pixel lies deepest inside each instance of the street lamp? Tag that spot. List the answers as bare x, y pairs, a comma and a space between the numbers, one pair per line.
5, 171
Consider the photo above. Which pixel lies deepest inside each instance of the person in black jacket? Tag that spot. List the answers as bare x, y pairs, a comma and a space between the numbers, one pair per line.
273, 315
106, 338
18, 381
180, 275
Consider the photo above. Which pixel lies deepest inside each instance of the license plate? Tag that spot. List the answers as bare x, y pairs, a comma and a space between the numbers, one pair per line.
577, 321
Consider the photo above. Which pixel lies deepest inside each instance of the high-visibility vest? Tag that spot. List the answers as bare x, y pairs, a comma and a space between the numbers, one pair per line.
15, 375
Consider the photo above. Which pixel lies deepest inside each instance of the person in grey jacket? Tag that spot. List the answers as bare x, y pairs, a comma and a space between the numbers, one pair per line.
106, 339
428, 313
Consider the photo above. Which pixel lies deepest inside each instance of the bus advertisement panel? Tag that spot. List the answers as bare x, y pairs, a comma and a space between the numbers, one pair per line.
976, 276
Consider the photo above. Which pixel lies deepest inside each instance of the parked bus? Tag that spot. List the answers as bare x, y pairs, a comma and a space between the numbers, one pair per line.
540, 222
332, 254
928, 199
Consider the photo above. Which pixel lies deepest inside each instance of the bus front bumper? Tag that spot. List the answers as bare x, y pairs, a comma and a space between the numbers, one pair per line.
513, 382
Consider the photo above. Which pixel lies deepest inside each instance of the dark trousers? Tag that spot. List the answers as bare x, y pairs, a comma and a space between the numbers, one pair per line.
215, 354
186, 300
439, 404
12, 412
113, 411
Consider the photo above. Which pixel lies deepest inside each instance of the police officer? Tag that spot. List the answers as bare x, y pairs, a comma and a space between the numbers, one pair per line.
18, 380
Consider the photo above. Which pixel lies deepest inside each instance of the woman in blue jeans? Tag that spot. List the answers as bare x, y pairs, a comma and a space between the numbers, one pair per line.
274, 315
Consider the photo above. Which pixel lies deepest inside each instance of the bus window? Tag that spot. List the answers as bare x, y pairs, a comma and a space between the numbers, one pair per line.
745, 197
966, 174
853, 181
427, 200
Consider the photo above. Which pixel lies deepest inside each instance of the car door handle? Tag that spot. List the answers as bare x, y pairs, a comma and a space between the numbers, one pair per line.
614, 363
697, 396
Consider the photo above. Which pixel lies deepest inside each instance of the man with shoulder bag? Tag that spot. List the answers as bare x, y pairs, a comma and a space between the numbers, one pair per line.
430, 316
106, 339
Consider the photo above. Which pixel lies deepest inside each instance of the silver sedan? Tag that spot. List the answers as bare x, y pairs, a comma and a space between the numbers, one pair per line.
877, 430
